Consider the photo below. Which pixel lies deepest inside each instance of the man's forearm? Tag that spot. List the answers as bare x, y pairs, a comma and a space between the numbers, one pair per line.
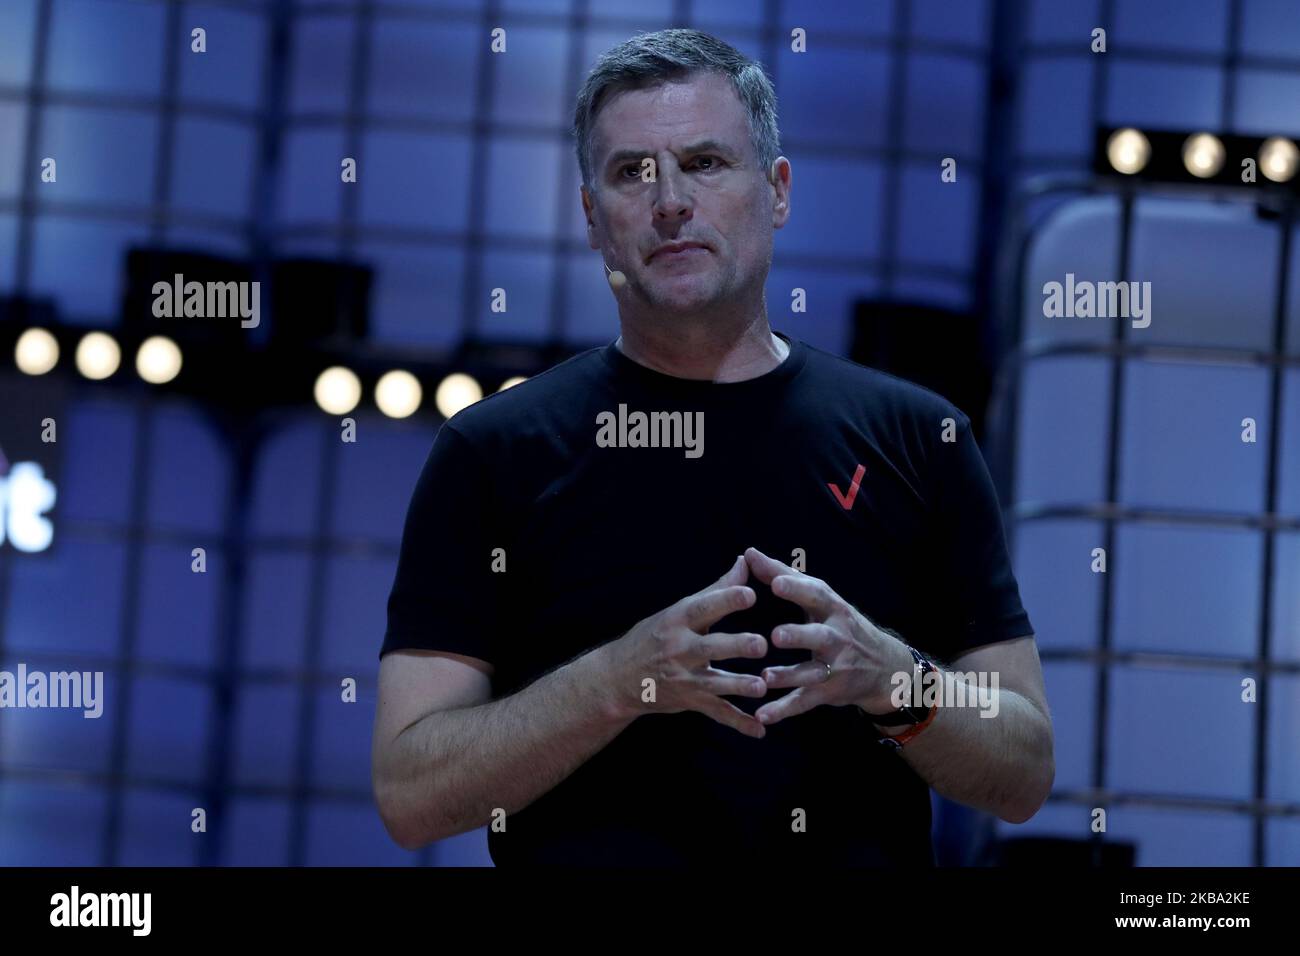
1002, 764
448, 772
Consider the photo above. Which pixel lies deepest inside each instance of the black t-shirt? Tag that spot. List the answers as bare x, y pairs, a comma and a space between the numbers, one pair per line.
596, 538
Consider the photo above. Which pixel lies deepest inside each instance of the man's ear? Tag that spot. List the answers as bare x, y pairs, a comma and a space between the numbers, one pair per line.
779, 177
589, 211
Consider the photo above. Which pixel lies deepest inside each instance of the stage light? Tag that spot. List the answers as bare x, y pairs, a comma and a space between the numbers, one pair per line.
159, 360
455, 392
1278, 159
1203, 155
1128, 151
398, 394
512, 382
338, 390
36, 352
98, 355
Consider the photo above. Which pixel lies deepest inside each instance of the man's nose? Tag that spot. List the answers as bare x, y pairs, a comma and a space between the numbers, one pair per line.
672, 199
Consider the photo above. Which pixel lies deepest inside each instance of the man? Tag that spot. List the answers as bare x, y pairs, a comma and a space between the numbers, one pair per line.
563, 661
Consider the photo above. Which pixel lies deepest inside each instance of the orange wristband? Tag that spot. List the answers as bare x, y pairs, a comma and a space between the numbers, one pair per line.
902, 739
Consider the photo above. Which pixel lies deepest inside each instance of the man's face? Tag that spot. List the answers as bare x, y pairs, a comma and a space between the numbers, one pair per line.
707, 189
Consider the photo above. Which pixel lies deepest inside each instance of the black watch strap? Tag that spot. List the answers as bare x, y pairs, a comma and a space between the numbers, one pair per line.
907, 715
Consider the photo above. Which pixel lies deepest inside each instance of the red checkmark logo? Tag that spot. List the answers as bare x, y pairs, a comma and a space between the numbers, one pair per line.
846, 500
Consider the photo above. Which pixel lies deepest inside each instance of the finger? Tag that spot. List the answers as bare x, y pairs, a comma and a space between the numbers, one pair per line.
796, 675
819, 638
798, 701
723, 647
765, 568
725, 683
730, 715
700, 611
812, 594
738, 573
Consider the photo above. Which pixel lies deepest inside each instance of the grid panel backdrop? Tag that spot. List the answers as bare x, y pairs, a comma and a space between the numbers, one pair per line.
1198, 528
1124, 446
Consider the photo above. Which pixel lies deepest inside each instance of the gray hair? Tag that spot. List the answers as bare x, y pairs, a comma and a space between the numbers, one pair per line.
651, 58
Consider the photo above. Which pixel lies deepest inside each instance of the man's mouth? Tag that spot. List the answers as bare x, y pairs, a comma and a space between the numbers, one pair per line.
677, 250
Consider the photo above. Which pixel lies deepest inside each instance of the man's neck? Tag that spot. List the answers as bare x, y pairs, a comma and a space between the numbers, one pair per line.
709, 354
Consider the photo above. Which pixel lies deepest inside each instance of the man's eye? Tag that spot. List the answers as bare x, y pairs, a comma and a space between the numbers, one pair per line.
712, 162
635, 167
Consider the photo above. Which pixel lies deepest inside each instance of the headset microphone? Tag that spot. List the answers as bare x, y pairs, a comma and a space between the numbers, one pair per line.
616, 278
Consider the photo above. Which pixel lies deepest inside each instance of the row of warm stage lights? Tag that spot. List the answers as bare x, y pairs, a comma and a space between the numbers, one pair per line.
1129, 151
398, 393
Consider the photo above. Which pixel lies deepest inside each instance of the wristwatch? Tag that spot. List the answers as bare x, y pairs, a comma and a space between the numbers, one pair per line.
908, 715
